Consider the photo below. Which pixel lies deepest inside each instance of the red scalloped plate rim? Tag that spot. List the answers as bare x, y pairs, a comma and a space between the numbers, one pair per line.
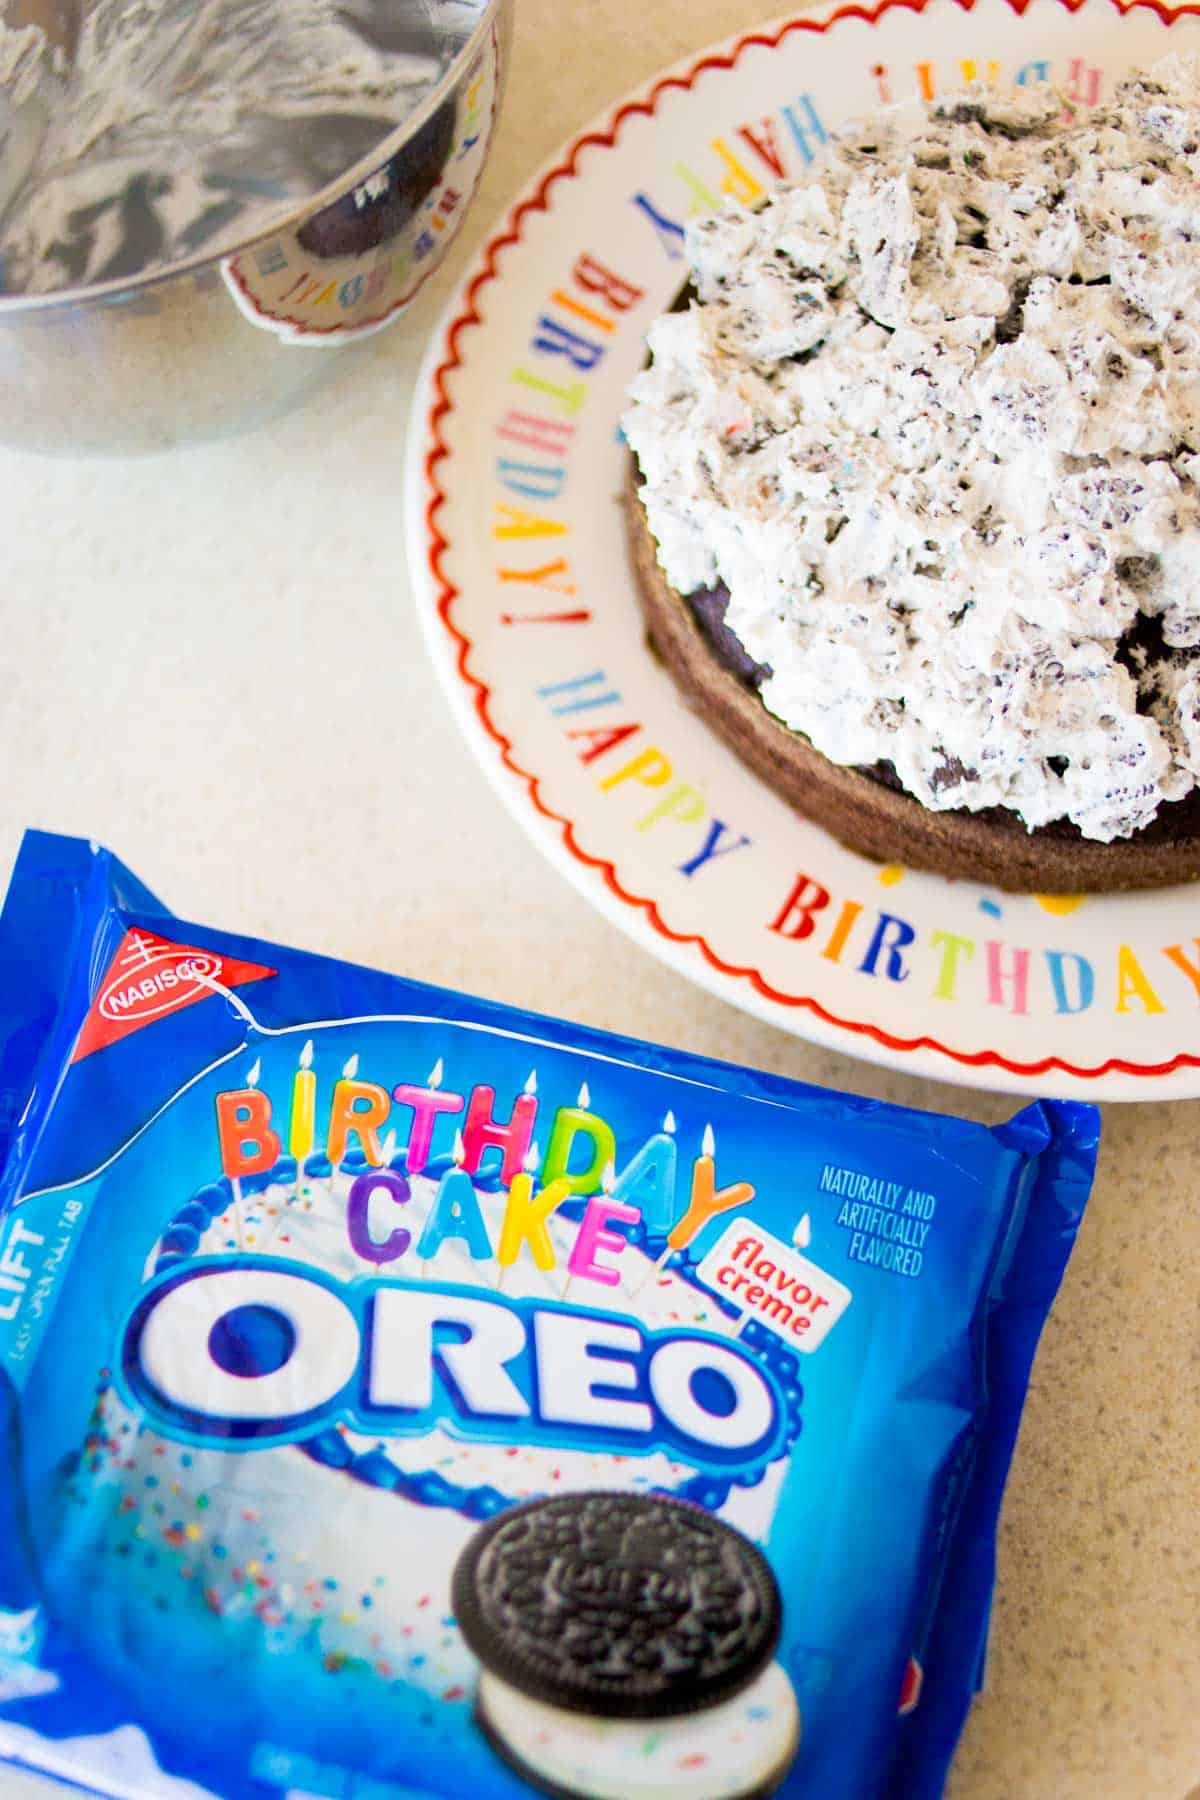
468, 315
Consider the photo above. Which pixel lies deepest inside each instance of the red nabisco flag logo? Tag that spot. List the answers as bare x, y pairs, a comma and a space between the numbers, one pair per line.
150, 977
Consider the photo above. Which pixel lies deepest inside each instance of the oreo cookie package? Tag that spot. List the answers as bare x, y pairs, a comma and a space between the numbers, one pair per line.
405, 1395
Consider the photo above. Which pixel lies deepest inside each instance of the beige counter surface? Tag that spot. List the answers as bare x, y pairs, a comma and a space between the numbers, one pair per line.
178, 681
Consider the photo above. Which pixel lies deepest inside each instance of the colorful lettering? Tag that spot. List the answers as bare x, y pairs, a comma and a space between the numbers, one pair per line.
525, 1219
649, 767
683, 803
762, 142
483, 1131
540, 577
795, 917
602, 738
554, 339
738, 182
890, 937
621, 295
549, 435
1175, 954
1132, 984
571, 1122
807, 132
570, 398
842, 927
531, 479
703, 198
248, 1144
358, 1216
670, 234
712, 848
1066, 1001
594, 1238
952, 947
999, 977
427, 1103
511, 522
455, 1214
579, 702
359, 1107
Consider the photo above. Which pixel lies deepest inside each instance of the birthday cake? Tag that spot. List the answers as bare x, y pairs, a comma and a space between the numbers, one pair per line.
917, 499
371, 1435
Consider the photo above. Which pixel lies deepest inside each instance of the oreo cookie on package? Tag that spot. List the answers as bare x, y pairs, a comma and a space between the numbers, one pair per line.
405, 1397
624, 1639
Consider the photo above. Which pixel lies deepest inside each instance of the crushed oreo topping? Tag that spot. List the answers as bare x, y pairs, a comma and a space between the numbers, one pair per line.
933, 421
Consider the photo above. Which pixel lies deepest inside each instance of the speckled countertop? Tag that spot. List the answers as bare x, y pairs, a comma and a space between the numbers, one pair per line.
176, 683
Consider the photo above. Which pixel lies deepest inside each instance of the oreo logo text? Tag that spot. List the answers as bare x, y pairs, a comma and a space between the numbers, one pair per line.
236, 1353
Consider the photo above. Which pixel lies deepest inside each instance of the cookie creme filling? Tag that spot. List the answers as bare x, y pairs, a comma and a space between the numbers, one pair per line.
739, 1746
934, 421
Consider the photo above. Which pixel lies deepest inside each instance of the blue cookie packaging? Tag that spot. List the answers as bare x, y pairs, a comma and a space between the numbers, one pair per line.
318, 1285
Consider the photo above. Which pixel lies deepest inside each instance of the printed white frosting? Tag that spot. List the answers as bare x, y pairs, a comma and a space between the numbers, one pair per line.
935, 424
738, 1746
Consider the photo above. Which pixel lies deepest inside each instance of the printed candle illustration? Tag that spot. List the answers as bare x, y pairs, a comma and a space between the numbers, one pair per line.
358, 1106
607, 1182
427, 1104
571, 1122
455, 1214
248, 1144
303, 1130
648, 1180
707, 1203
525, 1217
594, 1236
365, 1190
252, 1077
484, 1132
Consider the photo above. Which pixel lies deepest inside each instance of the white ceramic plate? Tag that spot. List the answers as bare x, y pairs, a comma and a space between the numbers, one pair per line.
525, 592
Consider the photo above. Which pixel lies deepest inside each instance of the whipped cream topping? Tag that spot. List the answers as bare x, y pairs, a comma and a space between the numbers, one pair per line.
171, 123
934, 421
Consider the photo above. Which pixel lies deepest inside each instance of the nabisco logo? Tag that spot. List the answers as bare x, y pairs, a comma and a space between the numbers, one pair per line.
147, 979
150, 977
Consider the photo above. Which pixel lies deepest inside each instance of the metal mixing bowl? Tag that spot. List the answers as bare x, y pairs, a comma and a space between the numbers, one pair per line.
241, 330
